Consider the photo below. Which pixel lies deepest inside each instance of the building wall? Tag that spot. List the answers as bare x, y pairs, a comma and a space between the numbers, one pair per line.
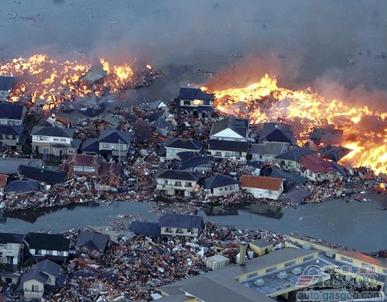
4, 94
236, 155
171, 153
195, 103
9, 140
35, 252
13, 250
223, 191
51, 140
263, 157
183, 232
27, 289
261, 250
290, 165
47, 148
170, 185
123, 148
262, 193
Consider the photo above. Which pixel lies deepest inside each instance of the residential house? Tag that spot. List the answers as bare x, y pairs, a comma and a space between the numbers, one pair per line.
143, 228
181, 225
262, 186
196, 101
7, 83
163, 125
54, 141
290, 160
315, 168
55, 247
220, 185
47, 176
12, 114
83, 165
10, 166
11, 249
235, 150
276, 132
23, 186
325, 136
3, 183
334, 153
58, 121
267, 151
114, 143
45, 276
11, 125
230, 129
92, 241
174, 145
261, 246
195, 163
177, 182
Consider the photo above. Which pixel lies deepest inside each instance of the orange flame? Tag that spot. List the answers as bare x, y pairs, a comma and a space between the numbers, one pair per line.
54, 81
264, 101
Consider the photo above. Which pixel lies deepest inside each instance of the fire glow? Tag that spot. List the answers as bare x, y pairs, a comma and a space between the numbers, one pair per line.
265, 101
54, 81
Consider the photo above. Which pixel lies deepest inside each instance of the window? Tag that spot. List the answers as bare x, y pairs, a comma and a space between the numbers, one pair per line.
179, 231
35, 287
70, 151
106, 146
168, 230
188, 184
178, 183
89, 169
78, 168
346, 259
46, 150
187, 103
271, 269
218, 153
166, 181
307, 258
289, 263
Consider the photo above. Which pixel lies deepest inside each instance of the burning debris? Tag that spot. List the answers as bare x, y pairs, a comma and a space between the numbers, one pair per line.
265, 101
54, 81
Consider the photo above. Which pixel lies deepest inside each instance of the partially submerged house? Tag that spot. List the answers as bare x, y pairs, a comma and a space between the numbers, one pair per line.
10, 166
47, 176
23, 186
54, 141
92, 241
262, 186
116, 144
181, 225
83, 165
267, 151
326, 136
230, 129
196, 101
220, 185
315, 168
55, 247
174, 145
7, 83
195, 163
143, 228
177, 182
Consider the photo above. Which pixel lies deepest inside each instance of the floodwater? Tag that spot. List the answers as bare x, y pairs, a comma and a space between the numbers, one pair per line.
359, 225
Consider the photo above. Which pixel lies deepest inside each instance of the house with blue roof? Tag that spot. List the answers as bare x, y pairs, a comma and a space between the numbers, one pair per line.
181, 225
11, 125
7, 83
175, 145
220, 185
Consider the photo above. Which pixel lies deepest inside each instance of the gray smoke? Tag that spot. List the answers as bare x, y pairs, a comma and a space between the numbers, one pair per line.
324, 41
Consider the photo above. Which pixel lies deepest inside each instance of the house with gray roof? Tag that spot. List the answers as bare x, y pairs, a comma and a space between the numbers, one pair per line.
220, 185
228, 149
276, 132
230, 129
11, 125
175, 145
177, 182
267, 151
44, 276
54, 141
196, 101
290, 160
181, 225
92, 241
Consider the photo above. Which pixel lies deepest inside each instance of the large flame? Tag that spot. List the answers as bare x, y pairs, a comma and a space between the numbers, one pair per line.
53, 81
264, 101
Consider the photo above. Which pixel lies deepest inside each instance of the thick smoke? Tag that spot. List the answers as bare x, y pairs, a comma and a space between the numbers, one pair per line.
317, 41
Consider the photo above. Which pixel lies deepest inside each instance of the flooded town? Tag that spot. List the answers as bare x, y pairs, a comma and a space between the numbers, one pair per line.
144, 156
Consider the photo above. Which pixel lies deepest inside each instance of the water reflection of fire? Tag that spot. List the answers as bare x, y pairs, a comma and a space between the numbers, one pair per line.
53, 81
364, 130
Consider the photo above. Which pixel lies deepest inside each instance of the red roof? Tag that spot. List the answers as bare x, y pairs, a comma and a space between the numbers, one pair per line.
84, 159
3, 180
315, 164
261, 182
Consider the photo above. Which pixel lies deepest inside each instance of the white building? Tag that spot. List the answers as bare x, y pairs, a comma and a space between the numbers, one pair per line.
11, 249
262, 186
233, 150
177, 182
267, 151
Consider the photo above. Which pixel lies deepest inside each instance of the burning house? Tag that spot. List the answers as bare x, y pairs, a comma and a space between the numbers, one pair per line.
196, 101
11, 125
7, 83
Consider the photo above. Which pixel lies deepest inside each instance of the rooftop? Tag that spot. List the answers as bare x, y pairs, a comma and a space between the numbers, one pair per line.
42, 175
49, 242
261, 182
53, 131
7, 82
181, 221
183, 143
177, 175
187, 93
11, 111
238, 125
224, 145
219, 180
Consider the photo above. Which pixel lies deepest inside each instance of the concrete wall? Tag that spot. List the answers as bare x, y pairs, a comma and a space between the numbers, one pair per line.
223, 191
13, 250
262, 193
27, 289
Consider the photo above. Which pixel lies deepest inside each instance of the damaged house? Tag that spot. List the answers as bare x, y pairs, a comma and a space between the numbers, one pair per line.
54, 141
220, 185
235, 150
315, 168
196, 101
177, 182
276, 132
181, 225
174, 146
230, 129
262, 186
290, 160
11, 125
267, 151
83, 165
7, 83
